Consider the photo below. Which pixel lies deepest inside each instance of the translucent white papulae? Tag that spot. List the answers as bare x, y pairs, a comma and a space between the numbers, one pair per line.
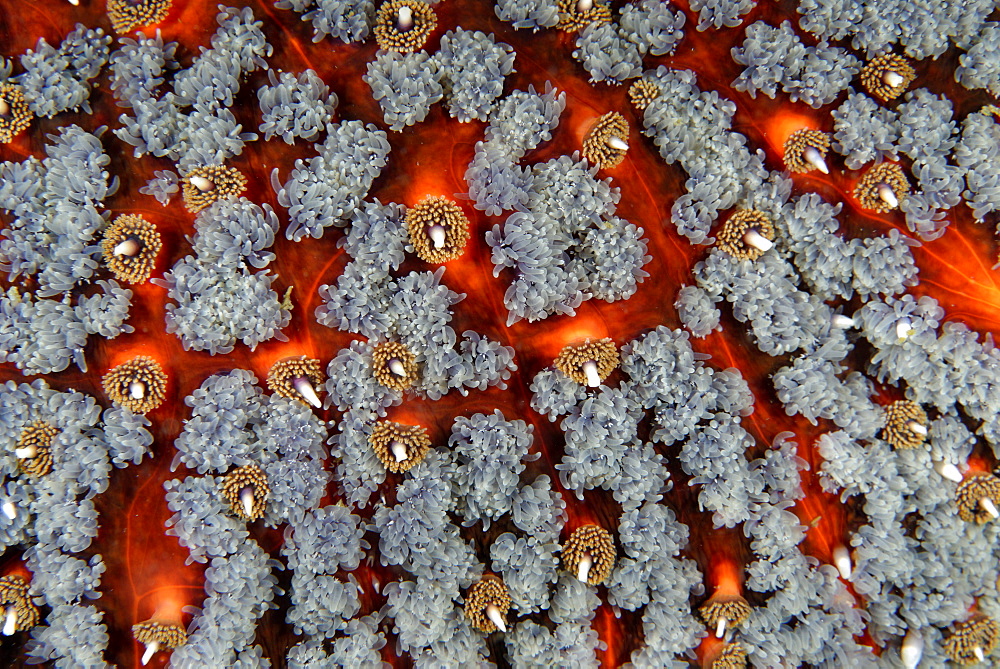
842, 322
246, 499
892, 79
493, 613
10, 621
887, 195
815, 158
842, 561
129, 248
396, 367
137, 390
617, 143
304, 388
147, 655
757, 240
948, 470
437, 235
398, 450
10, 510
912, 649
583, 569
404, 18
590, 370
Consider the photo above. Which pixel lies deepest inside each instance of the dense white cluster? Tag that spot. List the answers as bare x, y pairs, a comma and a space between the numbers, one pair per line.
192, 123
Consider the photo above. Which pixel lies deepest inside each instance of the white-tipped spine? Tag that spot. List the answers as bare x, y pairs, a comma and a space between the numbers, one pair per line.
151, 649
129, 247
815, 158
201, 183
842, 322
590, 371
617, 143
757, 240
10, 620
887, 195
398, 450
912, 649
720, 628
987, 505
583, 569
10, 510
842, 561
26, 452
437, 235
493, 613
892, 79
306, 390
948, 470
246, 500
137, 390
904, 329
404, 19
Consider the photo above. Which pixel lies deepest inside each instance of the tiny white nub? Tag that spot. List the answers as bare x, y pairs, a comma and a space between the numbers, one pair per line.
26, 452
10, 621
949, 471
437, 235
892, 79
129, 248
593, 378
978, 652
246, 499
912, 649
75, 3
903, 328
989, 507
887, 195
916, 428
583, 569
617, 143
137, 390
842, 561
201, 183
304, 388
150, 650
4, 107
10, 510
815, 158
584, 5
493, 613
720, 628
842, 322
757, 240
396, 367
398, 451
404, 19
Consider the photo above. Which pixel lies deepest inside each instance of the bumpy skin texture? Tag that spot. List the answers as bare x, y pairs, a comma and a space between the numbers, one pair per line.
721, 414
